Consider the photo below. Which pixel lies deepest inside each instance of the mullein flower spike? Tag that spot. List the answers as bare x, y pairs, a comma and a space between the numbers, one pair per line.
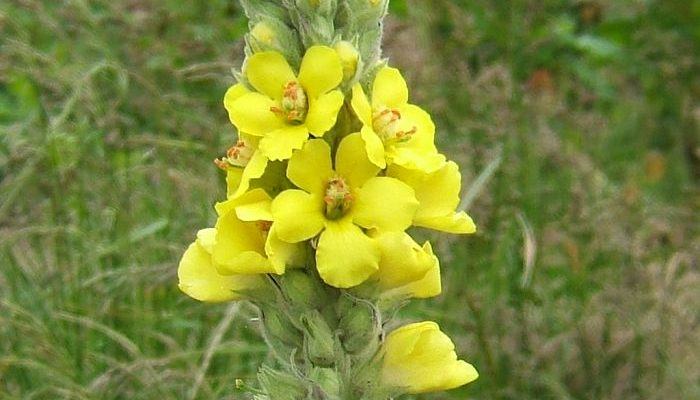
331, 168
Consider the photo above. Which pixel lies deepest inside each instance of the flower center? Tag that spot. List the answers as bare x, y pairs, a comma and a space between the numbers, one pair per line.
237, 155
387, 123
294, 104
264, 226
338, 198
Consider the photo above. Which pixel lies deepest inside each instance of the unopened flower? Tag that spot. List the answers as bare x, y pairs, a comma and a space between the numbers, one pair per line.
337, 201
425, 286
349, 58
285, 107
200, 279
419, 358
263, 34
394, 131
403, 261
438, 195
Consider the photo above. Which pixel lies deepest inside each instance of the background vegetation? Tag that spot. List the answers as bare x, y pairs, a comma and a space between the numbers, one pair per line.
576, 124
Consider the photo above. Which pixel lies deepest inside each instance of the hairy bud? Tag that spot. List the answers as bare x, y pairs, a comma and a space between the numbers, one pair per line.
358, 325
280, 385
319, 339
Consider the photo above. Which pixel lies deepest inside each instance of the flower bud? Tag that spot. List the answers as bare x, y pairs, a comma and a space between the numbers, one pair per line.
263, 34
419, 358
319, 339
349, 58
302, 290
280, 385
278, 327
257, 8
322, 7
327, 380
358, 325
269, 34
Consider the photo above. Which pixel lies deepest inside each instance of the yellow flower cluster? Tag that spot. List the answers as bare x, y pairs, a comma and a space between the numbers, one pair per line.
307, 191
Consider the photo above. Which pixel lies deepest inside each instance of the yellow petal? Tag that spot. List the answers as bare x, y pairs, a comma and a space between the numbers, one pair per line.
402, 341
234, 93
321, 71
419, 152
410, 158
458, 222
298, 215
207, 238
352, 162
310, 167
254, 170
420, 358
268, 72
403, 261
233, 180
438, 195
199, 279
386, 204
374, 147
414, 116
345, 256
361, 105
282, 254
323, 112
251, 113
389, 89
258, 211
279, 144
254, 196
428, 286
239, 247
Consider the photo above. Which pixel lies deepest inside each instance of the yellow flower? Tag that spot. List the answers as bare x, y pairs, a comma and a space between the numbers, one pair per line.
438, 195
246, 240
419, 358
394, 131
200, 280
337, 203
285, 108
404, 265
407, 269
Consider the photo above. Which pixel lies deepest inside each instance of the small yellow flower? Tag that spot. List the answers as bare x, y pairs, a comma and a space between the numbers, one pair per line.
438, 195
419, 358
246, 241
285, 108
394, 131
200, 280
407, 269
337, 201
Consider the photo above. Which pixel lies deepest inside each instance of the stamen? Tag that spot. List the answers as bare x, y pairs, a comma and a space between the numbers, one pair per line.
237, 155
338, 198
294, 105
386, 123
264, 226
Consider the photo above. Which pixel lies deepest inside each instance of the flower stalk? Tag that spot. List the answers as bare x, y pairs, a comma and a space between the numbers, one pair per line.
331, 168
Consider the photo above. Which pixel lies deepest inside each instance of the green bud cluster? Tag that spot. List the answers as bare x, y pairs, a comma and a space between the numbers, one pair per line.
290, 26
325, 341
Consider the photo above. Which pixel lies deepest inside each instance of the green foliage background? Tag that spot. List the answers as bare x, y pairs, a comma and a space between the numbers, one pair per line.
576, 124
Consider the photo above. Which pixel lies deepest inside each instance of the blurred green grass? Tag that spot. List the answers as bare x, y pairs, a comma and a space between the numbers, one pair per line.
582, 282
